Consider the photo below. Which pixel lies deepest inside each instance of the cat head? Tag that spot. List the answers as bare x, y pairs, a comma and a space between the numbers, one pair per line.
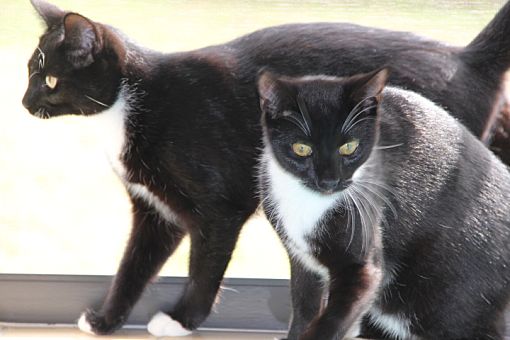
321, 129
75, 69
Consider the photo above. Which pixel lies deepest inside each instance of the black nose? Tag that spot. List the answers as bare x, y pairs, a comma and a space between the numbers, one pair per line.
328, 184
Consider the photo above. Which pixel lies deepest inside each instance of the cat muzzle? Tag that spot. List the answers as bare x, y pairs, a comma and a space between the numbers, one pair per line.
328, 186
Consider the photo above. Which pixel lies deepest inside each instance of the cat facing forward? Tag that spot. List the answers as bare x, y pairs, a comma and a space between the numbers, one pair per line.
390, 203
185, 135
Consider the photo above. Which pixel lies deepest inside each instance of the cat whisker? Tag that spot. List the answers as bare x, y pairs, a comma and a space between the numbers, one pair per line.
296, 122
378, 184
360, 210
33, 74
42, 58
374, 181
371, 210
378, 211
347, 124
359, 121
350, 216
353, 111
42, 113
376, 192
384, 147
304, 113
96, 101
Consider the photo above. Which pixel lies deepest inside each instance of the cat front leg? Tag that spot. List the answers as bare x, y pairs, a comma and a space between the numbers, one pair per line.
351, 292
151, 242
306, 292
212, 244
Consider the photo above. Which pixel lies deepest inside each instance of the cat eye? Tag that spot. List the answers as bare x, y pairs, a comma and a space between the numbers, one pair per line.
51, 81
348, 148
301, 149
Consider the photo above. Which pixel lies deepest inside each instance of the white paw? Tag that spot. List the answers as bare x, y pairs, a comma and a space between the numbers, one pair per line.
84, 325
163, 325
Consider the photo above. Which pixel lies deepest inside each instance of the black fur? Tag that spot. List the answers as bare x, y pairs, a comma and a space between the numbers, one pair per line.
194, 125
421, 234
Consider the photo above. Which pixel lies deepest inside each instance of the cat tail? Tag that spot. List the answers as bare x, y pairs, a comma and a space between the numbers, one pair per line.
490, 50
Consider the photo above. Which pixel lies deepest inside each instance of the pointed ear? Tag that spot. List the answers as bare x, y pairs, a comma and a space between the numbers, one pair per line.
81, 40
369, 85
272, 93
51, 14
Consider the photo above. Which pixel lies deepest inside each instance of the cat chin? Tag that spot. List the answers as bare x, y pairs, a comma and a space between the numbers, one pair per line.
162, 324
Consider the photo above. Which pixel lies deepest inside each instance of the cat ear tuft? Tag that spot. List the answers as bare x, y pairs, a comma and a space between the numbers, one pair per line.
271, 92
51, 14
369, 84
81, 40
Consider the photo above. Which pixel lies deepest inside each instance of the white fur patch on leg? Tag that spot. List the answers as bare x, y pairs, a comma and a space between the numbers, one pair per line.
84, 325
162, 324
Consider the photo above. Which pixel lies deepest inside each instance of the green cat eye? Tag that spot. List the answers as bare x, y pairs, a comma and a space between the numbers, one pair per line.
51, 81
301, 149
349, 148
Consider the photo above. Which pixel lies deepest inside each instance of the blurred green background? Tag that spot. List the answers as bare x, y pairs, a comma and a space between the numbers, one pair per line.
62, 210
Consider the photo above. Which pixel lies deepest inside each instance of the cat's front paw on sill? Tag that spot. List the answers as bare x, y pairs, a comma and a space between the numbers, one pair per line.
94, 323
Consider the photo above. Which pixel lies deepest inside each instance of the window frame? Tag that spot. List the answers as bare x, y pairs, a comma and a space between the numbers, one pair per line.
244, 304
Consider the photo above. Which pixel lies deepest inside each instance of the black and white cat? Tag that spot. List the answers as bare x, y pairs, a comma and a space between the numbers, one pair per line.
185, 135
390, 202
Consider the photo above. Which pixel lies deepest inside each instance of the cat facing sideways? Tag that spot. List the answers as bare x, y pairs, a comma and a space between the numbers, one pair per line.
186, 132
391, 204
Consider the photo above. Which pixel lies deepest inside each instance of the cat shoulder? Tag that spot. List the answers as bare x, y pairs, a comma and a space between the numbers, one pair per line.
401, 104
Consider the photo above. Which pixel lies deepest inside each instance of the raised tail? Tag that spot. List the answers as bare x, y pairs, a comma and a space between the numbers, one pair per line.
491, 47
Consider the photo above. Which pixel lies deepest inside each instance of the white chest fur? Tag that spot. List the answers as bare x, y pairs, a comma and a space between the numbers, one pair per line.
298, 209
111, 129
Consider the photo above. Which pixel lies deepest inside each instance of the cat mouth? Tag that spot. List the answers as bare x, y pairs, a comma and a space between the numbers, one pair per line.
335, 189
45, 113
329, 191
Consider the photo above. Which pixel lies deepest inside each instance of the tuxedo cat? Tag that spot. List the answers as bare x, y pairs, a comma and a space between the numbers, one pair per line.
401, 212
186, 137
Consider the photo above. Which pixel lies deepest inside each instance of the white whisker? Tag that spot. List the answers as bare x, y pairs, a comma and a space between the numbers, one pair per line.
348, 124
304, 113
367, 203
380, 195
351, 215
378, 184
96, 101
384, 147
360, 210
42, 58
357, 122
296, 122
374, 191
33, 74
353, 111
